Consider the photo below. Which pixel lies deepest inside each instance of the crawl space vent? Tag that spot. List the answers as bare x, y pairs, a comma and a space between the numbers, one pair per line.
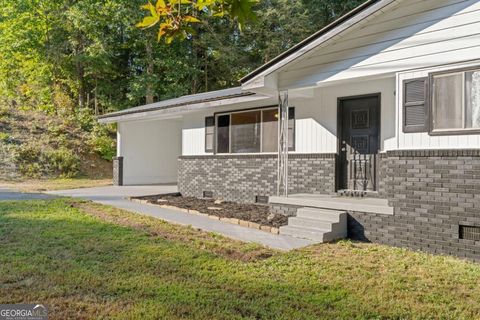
261, 199
470, 233
208, 194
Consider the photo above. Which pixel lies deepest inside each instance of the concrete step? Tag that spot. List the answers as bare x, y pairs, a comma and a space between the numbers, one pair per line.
317, 235
310, 223
320, 225
304, 233
320, 214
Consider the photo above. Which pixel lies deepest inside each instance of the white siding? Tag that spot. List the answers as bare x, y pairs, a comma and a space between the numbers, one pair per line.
316, 118
412, 141
150, 150
414, 34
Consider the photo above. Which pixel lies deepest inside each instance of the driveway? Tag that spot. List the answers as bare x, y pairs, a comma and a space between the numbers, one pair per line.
110, 193
7, 194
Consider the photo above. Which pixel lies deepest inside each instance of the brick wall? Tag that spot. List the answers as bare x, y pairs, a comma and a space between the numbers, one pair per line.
433, 192
242, 177
118, 171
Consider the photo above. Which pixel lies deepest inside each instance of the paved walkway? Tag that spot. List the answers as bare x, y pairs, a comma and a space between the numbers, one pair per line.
7, 194
116, 197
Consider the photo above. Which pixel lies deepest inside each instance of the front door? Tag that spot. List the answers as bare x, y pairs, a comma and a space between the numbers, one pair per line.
359, 120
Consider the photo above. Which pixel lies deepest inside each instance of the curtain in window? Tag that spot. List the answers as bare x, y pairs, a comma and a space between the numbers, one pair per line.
270, 131
448, 101
473, 100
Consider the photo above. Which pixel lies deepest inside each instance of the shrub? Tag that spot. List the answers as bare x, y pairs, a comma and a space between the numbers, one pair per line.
63, 162
102, 142
4, 137
34, 161
28, 160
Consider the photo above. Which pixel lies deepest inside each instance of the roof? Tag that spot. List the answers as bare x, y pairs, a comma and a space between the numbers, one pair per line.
183, 101
310, 39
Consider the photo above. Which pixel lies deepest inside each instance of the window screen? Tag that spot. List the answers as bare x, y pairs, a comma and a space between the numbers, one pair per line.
447, 101
245, 128
456, 101
223, 134
252, 131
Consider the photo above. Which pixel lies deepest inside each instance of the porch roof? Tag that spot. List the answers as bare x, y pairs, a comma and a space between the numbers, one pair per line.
340, 25
184, 103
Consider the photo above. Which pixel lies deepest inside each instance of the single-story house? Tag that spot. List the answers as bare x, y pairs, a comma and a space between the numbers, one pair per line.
383, 103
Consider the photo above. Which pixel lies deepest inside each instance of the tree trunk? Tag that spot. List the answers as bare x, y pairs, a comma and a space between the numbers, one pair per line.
150, 69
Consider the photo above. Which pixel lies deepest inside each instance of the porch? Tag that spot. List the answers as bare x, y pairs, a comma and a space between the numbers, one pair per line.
335, 202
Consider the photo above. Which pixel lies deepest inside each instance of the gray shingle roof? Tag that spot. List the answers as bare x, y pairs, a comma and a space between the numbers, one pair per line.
183, 101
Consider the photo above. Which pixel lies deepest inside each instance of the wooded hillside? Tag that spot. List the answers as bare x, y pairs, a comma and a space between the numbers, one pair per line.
72, 60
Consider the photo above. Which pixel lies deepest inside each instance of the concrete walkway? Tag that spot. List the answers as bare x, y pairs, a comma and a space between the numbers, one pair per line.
117, 197
11, 195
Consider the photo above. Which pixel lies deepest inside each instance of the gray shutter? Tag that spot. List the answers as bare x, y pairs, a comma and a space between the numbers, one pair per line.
415, 109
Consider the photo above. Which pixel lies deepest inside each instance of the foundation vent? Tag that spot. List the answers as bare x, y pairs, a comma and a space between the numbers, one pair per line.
208, 194
470, 233
261, 199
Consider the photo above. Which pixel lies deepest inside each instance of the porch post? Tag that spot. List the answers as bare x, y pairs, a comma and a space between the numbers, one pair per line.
282, 173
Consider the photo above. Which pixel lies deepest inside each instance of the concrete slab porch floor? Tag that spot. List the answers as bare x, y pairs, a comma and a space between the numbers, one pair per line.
118, 197
334, 202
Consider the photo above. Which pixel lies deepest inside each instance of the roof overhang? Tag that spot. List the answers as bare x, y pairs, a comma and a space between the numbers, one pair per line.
264, 79
152, 112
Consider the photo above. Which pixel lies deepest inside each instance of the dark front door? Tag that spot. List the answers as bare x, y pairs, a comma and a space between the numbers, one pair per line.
359, 142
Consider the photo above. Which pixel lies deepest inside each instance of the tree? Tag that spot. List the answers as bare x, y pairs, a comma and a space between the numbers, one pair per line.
176, 17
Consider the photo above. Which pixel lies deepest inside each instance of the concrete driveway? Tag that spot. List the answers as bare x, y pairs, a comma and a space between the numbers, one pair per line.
7, 194
110, 193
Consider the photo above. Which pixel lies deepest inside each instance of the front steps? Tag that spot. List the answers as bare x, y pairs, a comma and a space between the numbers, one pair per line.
320, 225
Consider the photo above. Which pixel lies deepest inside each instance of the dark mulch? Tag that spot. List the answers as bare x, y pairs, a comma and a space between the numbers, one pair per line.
249, 212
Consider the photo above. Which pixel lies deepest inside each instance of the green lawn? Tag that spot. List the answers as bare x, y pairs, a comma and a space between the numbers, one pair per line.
88, 261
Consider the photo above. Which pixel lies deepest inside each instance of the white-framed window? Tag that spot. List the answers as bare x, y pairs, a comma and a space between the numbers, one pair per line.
455, 101
251, 131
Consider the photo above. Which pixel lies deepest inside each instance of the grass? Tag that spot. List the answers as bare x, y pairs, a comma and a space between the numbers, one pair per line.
89, 261
39, 185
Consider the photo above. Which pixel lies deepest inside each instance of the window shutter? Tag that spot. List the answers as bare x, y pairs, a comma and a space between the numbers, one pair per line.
415, 111
209, 134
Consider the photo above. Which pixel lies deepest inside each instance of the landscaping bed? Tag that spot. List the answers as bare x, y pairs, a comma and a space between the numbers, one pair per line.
259, 214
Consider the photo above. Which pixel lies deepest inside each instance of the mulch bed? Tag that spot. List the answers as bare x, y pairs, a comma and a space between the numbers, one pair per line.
249, 212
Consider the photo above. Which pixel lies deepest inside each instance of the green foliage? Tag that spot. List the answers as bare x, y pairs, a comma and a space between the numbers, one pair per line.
74, 60
102, 142
177, 17
63, 162
35, 161
4, 137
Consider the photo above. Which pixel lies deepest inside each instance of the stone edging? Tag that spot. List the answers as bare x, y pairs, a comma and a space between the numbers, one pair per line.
243, 223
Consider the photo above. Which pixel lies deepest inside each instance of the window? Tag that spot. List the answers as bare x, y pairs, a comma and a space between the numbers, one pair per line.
455, 100
209, 133
252, 131
245, 136
223, 134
